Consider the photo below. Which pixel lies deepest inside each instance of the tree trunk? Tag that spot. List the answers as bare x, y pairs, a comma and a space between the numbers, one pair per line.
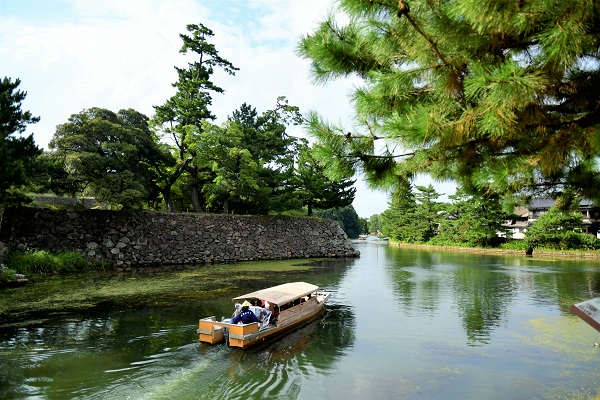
166, 193
196, 196
309, 208
226, 206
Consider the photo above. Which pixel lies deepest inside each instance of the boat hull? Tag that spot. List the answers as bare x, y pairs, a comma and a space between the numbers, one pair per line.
247, 335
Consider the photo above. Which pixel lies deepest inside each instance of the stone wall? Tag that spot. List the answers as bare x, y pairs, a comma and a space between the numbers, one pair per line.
150, 238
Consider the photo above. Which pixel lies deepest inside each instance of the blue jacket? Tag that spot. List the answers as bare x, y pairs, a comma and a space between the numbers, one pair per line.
245, 316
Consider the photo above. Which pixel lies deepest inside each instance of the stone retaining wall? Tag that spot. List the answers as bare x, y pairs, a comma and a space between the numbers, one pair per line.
150, 238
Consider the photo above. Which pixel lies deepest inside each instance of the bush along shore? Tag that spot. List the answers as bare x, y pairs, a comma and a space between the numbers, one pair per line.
514, 250
16, 266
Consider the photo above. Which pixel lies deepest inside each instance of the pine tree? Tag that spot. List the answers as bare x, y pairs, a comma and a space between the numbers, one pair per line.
399, 220
17, 153
499, 95
315, 189
190, 105
471, 220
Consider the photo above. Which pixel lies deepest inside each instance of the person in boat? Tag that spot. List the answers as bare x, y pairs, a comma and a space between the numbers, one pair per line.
261, 312
258, 310
245, 316
238, 309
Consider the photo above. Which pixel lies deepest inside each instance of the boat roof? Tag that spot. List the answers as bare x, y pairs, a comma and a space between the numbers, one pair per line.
281, 294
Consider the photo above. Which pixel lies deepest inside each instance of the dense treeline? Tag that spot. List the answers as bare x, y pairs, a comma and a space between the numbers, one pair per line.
175, 160
415, 215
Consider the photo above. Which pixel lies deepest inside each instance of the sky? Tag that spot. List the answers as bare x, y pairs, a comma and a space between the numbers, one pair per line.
71, 55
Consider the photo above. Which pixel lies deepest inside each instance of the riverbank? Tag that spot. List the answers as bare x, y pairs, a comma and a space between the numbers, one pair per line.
591, 255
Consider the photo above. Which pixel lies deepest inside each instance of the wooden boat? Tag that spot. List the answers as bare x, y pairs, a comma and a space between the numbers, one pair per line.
294, 304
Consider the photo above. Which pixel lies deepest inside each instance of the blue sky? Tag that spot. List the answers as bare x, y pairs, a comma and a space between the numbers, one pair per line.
75, 54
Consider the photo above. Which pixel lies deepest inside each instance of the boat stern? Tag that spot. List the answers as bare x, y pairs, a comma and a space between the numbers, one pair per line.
210, 330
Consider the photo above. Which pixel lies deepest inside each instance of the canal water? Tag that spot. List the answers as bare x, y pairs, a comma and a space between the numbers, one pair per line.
400, 324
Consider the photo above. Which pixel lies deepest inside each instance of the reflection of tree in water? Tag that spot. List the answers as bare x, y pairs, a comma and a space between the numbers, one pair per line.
482, 296
569, 283
420, 278
414, 280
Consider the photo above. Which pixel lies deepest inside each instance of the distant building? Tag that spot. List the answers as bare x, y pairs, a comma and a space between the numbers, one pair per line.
526, 216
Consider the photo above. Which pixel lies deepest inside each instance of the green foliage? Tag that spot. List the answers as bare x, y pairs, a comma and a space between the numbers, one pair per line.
500, 96
363, 225
472, 220
7, 275
398, 221
265, 138
514, 245
557, 229
17, 153
411, 218
44, 262
346, 216
316, 189
235, 173
106, 155
189, 106
374, 223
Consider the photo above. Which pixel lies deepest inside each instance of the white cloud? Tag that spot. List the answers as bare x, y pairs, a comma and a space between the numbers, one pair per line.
120, 54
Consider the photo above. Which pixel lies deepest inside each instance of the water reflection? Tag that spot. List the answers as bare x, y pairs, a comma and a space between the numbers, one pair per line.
401, 323
482, 288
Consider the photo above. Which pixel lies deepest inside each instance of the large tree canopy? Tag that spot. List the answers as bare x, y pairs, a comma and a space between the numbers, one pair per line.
500, 95
17, 153
109, 156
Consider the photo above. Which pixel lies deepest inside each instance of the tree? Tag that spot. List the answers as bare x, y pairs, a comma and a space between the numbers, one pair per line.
398, 221
347, 218
363, 226
190, 106
266, 139
499, 95
316, 189
374, 223
558, 229
412, 217
471, 220
17, 154
109, 156
234, 172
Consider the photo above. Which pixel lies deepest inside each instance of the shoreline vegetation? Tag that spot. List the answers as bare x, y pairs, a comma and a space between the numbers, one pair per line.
589, 254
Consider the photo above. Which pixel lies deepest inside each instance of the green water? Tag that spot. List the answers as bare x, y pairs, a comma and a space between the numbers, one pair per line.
401, 324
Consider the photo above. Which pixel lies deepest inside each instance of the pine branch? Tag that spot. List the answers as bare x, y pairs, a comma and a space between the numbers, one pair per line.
404, 9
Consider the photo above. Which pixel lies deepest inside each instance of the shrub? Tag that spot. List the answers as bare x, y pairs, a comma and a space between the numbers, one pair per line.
43, 262
514, 245
7, 276
585, 241
440, 241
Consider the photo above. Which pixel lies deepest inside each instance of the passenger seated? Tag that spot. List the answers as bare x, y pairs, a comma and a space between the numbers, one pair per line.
259, 311
238, 309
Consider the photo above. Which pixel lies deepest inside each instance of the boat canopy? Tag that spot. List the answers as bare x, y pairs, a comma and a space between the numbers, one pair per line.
281, 294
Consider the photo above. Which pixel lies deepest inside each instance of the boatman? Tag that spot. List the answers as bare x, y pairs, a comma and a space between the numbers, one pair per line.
245, 316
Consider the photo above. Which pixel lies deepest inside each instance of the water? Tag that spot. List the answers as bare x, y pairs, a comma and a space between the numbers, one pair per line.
401, 324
